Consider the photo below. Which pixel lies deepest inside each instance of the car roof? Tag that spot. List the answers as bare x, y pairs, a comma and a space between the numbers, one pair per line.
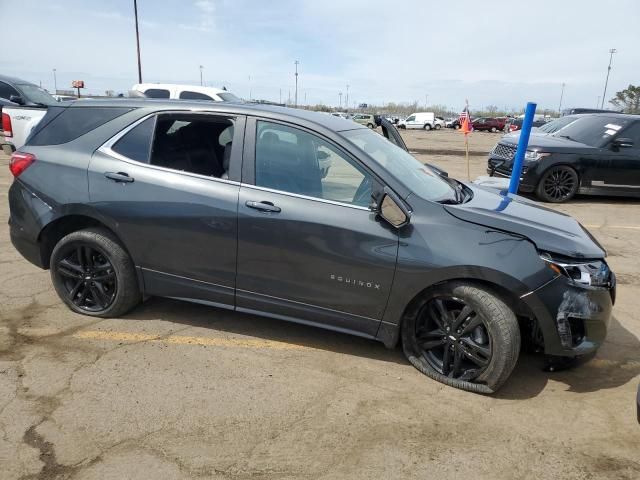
331, 122
14, 80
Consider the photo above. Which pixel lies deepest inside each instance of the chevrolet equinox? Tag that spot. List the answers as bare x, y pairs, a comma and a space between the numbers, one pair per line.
303, 217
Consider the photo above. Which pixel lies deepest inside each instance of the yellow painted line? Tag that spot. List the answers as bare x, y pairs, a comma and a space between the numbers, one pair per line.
628, 227
186, 340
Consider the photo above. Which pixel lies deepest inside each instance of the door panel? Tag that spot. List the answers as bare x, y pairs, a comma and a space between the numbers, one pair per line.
175, 214
321, 258
171, 223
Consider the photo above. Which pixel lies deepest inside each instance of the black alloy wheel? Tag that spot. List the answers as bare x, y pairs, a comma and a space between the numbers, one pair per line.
453, 338
88, 278
558, 184
93, 274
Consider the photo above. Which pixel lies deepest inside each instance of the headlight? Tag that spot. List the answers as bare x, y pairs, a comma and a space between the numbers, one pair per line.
594, 273
532, 156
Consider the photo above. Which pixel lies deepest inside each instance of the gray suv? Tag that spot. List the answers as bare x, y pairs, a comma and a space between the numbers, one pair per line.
227, 205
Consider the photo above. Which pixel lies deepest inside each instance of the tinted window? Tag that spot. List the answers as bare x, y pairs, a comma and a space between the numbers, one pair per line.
411, 118
418, 178
7, 90
295, 161
186, 95
74, 122
193, 143
136, 144
157, 93
228, 97
593, 130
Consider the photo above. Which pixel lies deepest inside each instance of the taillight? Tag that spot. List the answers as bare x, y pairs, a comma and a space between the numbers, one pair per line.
19, 162
6, 125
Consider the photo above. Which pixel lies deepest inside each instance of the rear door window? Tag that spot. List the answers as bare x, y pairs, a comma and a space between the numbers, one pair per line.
136, 144
74, 122
198, 144
157, 93
187, 95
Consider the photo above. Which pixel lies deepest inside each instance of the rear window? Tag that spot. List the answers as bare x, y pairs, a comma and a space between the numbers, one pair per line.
74, 122
156, 93
187, 95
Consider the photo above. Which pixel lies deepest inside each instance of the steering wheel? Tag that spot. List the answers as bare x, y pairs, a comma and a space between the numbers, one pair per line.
362, 196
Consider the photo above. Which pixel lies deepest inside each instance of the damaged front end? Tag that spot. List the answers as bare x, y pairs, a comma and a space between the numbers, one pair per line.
574, 309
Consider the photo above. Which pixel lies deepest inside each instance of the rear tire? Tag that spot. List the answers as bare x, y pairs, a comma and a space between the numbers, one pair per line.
93, 274
456, 127
427, 126
463, 335
437, 127
494, 129
370, 125
558, 184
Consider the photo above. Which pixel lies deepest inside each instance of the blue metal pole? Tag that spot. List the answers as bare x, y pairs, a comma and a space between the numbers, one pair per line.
518, 160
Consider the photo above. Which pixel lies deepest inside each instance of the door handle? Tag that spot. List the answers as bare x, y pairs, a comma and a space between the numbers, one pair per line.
119, 177
263, 206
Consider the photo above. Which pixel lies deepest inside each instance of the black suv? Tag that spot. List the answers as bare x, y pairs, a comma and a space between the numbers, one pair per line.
226, 205
593, 154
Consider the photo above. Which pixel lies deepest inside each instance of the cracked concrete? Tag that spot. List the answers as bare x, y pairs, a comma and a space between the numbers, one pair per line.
143, 401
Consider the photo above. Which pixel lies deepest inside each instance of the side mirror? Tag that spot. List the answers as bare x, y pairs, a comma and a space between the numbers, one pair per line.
622, 143
16, 99
390, 209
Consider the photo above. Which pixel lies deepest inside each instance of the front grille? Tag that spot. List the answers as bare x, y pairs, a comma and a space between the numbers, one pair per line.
504, 151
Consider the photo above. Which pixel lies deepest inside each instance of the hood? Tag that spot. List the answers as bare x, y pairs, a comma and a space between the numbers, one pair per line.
548, 143
549, 230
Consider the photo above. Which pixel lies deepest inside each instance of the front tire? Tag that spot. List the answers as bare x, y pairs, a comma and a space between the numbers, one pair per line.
558, 184
370, 125
494, 129
437, 127
93, 274
464, 336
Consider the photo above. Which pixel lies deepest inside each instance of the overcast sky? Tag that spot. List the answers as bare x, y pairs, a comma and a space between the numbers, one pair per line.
501, 53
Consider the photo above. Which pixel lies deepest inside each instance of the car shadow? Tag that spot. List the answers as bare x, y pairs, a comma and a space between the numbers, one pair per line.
237, 323
615, 364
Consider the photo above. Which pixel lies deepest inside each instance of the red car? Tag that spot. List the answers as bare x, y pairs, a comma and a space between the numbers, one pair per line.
489, 124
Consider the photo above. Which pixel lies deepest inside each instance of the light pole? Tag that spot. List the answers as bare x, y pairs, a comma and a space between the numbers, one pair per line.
296, 95
426, 101
135, 11
201, 67
604, 94
340, 96
55, 82
346, 99
561, 95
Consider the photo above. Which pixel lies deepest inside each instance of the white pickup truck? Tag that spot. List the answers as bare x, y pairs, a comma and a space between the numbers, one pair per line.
22, 105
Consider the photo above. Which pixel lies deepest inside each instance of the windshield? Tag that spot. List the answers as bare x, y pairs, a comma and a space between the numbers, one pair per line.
557, 124
34, 94
418, 178
593, 130
228, 97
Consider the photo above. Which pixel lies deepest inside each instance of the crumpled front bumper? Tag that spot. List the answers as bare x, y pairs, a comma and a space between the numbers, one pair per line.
573, 318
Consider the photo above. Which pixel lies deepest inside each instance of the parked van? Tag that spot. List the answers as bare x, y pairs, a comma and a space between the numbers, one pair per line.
184, 92
425, 120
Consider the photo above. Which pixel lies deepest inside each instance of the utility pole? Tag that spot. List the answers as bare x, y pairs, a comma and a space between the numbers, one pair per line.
346, 100
426, 101
296, 97
604, 94
598, 102
340, 96
305, 98
55, 82
561, 95
280, 95
135, 11
201, 67
249, 87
